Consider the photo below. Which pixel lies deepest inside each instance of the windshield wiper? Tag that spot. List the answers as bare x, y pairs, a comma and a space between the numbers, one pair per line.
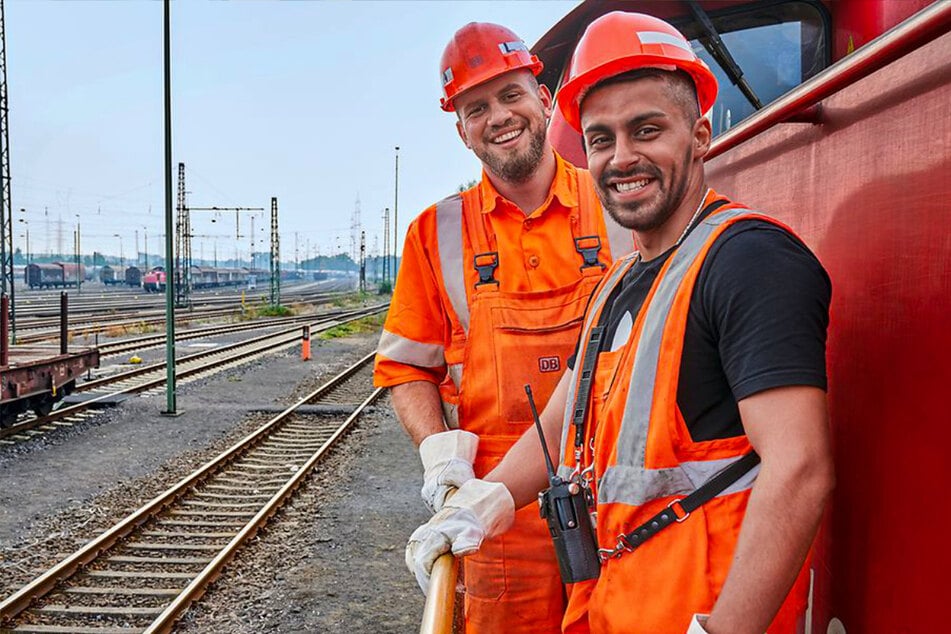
718, 50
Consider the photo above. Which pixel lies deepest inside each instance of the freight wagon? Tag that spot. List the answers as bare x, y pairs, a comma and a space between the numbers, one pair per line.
133, 276
110, 275
54, 275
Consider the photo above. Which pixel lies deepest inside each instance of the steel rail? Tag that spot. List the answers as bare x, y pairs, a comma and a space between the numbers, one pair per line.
104, 321
48, 308
36, 333
44, 584
151, 341
926, 25
293, 333
197, 587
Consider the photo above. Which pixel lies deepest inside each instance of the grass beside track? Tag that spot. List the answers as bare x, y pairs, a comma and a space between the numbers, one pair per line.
359, 326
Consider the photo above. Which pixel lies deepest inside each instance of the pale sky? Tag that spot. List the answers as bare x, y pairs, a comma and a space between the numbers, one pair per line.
300, 100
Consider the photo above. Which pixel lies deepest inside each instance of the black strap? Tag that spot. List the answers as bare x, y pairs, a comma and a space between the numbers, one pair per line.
584, 387
679, 510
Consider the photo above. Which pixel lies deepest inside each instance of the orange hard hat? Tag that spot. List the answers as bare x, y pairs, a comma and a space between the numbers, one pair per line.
618, 42
478, 52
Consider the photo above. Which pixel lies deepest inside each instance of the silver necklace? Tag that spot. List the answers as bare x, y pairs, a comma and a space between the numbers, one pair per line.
693, 219
689, 224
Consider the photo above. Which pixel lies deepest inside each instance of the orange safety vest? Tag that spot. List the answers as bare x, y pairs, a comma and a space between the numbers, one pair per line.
644, 459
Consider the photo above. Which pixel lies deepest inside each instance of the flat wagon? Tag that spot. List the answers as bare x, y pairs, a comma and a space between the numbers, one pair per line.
36, 377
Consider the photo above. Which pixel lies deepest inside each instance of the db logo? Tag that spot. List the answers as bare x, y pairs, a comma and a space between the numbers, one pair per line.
549, 364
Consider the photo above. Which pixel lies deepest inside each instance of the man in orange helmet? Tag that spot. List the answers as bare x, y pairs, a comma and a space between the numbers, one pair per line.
696, 411
489, 297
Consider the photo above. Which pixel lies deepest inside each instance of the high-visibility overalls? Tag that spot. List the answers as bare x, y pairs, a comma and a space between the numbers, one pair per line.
644, 459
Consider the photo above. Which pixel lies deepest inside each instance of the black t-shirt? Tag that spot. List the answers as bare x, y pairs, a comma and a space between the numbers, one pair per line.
757, 320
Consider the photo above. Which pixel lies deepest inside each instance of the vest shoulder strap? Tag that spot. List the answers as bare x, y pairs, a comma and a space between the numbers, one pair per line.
449, 237
593, 216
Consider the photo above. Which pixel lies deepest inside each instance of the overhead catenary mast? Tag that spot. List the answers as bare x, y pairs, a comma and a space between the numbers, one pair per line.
275, 256
386, 244
181, 270
355, 229
7, 278
184, 235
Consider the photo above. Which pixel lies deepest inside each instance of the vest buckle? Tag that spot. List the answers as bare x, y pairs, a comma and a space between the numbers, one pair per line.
680, 514
588, 247
485, 265
622, 546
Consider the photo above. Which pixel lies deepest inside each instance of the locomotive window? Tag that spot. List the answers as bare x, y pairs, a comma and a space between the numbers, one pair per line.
777, 46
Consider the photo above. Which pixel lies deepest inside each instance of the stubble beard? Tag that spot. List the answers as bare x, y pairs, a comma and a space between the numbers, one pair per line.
649, 215
520, 167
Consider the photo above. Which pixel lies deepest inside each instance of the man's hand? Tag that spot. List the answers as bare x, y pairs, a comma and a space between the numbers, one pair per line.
447, 463
477, 511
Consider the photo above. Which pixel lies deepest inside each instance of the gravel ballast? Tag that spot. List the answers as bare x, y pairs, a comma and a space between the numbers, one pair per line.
330, 561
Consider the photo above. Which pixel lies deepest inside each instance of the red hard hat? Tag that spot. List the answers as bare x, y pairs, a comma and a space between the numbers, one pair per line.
478, 52
618, 42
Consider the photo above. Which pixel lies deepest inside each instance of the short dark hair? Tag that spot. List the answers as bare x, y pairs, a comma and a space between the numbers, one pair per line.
680, 87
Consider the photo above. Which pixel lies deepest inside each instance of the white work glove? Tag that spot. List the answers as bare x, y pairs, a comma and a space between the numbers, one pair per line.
697, 623
477, 511
447, 464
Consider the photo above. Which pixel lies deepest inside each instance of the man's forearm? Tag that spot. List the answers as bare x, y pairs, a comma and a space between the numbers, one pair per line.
788, 427
419, 409
523, 468
779, 526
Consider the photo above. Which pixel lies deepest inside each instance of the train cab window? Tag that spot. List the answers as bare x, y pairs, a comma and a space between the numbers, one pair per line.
776, 47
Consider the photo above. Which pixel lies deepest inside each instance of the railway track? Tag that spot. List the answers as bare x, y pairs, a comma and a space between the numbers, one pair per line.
113, 316
193, 366
154, 341
144, 572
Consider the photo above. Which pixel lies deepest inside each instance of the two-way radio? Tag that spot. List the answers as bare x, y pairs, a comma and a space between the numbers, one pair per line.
564, 507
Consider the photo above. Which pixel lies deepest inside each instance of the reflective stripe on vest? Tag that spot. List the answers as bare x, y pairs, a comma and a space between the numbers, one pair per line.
449, 243
410, 352
599, 296
455, 373
629, 482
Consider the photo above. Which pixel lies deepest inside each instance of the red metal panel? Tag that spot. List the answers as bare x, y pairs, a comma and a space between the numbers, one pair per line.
858, 22
868, 189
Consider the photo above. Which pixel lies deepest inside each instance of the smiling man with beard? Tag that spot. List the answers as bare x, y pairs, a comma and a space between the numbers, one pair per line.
697, 413
489, 298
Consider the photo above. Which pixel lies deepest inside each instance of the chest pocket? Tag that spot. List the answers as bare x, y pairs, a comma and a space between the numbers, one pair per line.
532, 347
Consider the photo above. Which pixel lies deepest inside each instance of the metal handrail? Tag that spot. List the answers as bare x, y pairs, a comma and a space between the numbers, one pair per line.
440, 606
928, 24
439, 609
